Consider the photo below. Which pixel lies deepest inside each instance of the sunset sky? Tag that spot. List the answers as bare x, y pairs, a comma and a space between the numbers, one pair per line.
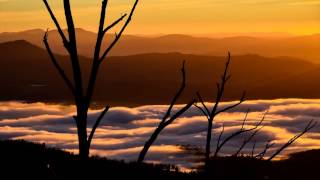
175, 16
54, 88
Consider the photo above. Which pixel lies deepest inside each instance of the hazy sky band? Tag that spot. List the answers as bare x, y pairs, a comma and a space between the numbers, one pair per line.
175, 16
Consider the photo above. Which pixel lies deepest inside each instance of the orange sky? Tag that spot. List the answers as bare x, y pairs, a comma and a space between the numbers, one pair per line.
175, 16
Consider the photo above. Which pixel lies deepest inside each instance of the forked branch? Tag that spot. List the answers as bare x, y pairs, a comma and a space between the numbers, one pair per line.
97, 60
82, 99
117, 37
232, 106
204, 109
212, 113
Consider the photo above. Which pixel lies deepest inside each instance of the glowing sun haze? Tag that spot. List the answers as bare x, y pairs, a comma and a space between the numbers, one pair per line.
175, 16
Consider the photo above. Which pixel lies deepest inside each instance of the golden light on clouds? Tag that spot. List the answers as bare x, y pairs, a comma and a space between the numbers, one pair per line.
176, 16
124, 130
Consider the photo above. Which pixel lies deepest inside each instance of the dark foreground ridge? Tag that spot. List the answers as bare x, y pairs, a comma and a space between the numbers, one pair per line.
35, 161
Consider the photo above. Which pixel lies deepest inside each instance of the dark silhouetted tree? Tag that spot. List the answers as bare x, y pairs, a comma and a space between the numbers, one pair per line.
83, 96
168, 118
211, 114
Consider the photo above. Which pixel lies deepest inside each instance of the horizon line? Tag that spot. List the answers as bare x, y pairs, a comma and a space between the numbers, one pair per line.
198, 35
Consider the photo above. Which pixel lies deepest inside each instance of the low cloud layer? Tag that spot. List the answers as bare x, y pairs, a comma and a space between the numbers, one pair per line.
124, 130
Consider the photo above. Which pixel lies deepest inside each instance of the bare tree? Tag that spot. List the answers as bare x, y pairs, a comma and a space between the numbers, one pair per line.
211, 114
83, 97
168, 118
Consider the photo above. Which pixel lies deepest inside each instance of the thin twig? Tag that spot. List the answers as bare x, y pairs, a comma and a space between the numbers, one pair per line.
235, 134
114, 23
309, 126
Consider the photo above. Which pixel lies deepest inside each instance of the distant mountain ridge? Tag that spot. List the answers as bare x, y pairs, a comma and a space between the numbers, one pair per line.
303, 47
27, 74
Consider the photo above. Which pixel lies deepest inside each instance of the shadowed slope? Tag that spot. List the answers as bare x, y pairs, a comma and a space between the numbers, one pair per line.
153, 78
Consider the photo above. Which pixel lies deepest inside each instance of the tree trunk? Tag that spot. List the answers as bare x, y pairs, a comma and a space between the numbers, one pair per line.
208, 144
81, 120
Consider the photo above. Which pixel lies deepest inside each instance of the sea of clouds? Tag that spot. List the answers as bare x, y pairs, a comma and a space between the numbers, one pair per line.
123, 131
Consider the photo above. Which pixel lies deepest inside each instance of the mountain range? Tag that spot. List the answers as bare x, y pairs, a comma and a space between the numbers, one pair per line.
26, 73
304, 47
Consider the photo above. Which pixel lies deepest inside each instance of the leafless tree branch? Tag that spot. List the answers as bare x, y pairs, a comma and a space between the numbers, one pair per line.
97, 60
175, 98
220, 136
221, 87
96, 124
53, 17
246, 141
96, 64
167, 119
235, 134
120, 33
203, 104
201, 110
233, 106
309, 126
56, 64
114, 24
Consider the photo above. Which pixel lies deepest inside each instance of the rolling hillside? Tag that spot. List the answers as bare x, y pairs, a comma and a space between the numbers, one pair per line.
153, 78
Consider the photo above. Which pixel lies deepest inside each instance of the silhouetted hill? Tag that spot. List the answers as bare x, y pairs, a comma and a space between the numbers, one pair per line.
302, 85
27, 73
20, 159
301, 165
305, 47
